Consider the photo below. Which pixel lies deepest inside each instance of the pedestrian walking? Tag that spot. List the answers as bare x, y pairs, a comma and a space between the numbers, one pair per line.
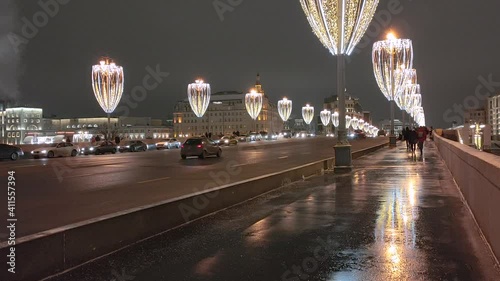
413, 139
406, 136
422, 136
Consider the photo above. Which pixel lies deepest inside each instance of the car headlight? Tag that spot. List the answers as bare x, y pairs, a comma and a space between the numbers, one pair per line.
91, 149
226, 141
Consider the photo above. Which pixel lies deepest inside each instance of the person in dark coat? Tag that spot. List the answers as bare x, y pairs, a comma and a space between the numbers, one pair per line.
406, 135
412, 139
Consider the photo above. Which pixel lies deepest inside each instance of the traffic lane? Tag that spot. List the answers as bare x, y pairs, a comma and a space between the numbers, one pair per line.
392, 218
104, 190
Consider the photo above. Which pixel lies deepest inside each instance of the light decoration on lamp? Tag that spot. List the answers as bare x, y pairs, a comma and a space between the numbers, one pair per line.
371, 129
285, 109
348, 121
107, 83
392, 61
339, 26
325, 116
253, 103
354, 123
365, 127
404, 101
336, 120
308, 113
392, 64
199, 97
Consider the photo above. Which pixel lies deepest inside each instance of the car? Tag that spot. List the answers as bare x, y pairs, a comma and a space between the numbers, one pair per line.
357, 134
168, 144
286, 133
133, 146
242, 138
56, 150
10, 152
200, 147
254, 136
228, 140
102, 148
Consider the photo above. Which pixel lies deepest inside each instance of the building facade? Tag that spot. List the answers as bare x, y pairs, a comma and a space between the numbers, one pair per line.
18, 122
475, 115
226, 114
493, 110
352, 108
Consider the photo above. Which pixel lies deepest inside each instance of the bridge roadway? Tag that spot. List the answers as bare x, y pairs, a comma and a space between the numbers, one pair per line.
395, 217
55, 192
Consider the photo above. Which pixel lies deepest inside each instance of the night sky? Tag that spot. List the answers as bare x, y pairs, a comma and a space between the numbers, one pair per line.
455, 42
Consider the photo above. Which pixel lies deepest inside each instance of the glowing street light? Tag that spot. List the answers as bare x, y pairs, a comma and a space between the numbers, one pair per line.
348, 121
253, 103
354, 123
285, 109
308, 113
339, 26
392, 60
325, 116
107, 83
199, 97
336, 120
404, 101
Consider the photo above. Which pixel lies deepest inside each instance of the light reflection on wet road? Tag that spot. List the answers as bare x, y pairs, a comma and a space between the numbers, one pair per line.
393, 218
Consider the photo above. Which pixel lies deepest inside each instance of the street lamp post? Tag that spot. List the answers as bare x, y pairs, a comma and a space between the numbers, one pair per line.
107, 83
392, 60
403, 101
340, 27
308, 114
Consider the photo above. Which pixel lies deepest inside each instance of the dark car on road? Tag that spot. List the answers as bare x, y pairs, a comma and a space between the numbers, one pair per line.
10, 152
200, 147
358, 135
133, 146
102, 148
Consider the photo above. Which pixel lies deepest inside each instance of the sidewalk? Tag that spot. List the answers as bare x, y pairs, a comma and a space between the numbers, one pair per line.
395, 217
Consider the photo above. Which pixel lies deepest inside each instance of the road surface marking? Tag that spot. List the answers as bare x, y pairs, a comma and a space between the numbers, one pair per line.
282, 157
25, 166
160, 179
239, 165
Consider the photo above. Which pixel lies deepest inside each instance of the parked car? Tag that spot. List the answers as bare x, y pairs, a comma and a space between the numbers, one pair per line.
200, 147
133, 146
102, 148
168, 144
56, 150
228, 140
10, 152
254, 136
242, 138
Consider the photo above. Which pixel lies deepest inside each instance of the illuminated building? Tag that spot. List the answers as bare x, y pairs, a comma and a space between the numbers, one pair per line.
494, 116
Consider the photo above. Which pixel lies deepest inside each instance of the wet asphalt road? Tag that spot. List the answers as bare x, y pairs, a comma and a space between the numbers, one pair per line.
56, 192
395, 217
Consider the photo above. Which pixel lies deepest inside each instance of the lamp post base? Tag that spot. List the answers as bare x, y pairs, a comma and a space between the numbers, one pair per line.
343, 158
392, 141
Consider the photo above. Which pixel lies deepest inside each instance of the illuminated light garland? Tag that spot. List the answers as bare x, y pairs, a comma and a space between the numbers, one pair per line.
354, 123
285, 109
336, 120
404, 101
348, 121
253, 103
107, 83
199, 97
308, 114
325, 116
339, 24
392, 60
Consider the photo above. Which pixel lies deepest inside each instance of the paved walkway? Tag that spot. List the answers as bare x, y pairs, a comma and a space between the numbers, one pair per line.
395, 217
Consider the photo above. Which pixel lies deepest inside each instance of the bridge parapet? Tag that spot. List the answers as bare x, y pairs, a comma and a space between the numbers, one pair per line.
477, 174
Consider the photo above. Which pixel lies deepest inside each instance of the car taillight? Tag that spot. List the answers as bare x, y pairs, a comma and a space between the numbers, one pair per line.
182, 146
199, 146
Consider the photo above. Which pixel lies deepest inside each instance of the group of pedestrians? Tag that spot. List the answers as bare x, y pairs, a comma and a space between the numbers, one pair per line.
415, 137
